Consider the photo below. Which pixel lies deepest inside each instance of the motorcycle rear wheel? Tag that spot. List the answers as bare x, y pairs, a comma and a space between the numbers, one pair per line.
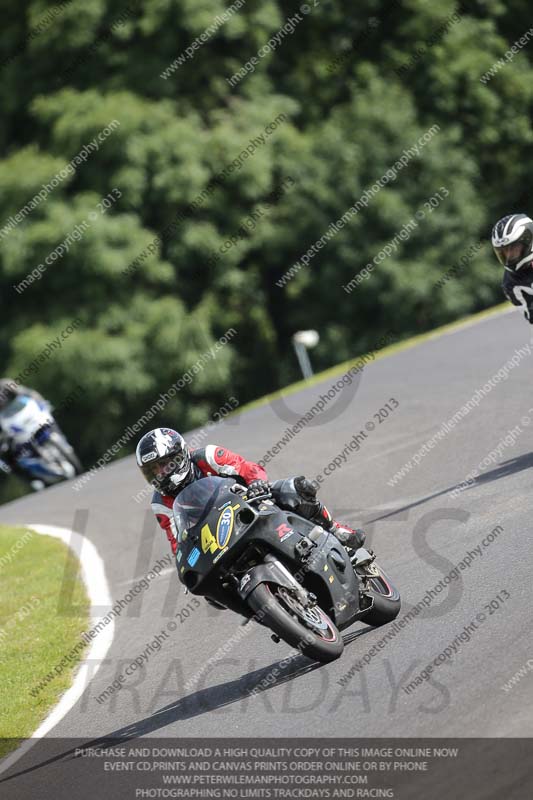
387, 602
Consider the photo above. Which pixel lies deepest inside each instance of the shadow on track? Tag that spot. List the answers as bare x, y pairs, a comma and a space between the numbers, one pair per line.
503, 470
197, 703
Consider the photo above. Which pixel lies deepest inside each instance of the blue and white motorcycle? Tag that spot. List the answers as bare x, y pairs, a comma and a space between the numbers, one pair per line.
36, 445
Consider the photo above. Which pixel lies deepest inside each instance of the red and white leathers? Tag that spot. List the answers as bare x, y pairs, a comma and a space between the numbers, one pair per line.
210, 460
215, 460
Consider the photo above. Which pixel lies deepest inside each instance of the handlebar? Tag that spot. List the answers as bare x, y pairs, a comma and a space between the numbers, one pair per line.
238, 488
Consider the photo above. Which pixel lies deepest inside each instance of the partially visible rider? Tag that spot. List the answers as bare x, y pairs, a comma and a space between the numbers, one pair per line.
9, 391
169, 465
512, 240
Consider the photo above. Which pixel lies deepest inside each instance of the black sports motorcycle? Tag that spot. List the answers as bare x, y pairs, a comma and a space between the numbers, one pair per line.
277, 568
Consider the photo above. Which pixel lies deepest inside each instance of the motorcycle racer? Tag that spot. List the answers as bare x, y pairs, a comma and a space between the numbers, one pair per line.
512, 240
9, 390
169, 465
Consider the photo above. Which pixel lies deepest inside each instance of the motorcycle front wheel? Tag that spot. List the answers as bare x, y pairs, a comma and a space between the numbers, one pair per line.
309, 629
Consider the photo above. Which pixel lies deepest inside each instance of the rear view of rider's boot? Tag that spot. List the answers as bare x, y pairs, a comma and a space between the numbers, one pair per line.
349, 537
311, 508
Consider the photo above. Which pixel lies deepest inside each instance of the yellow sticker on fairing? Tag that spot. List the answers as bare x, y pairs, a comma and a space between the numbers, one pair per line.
207, 540
224, 530
225, 526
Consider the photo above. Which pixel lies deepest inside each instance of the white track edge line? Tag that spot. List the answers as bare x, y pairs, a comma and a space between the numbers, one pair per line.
93, 574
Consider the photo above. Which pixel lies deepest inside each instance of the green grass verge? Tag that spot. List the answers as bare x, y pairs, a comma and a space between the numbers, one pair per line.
339, 369
35, 633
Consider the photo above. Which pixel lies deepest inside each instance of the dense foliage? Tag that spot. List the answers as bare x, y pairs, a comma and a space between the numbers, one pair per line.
351, 88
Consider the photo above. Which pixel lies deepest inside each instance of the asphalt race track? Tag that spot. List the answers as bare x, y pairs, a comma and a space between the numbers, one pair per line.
417, 529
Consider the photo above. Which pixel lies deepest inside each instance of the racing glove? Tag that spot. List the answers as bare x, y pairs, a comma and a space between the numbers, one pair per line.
305, 488
257, 487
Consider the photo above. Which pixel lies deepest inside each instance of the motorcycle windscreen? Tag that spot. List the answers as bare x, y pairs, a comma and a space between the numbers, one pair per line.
13, 408
195, 501
23, 415
16, 405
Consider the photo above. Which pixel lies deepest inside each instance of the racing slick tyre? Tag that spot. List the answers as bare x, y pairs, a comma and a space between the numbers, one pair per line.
309, 629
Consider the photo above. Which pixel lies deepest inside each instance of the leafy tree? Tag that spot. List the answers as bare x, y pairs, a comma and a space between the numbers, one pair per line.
206, 211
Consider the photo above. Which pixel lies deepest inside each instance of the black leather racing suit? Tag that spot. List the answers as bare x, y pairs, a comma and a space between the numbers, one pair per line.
518, 288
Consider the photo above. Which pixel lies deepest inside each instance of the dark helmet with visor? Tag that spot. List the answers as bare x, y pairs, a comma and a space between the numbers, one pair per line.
512, 240
164, 459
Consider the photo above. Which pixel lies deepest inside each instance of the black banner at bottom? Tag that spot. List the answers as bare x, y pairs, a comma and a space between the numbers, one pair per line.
152, 768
